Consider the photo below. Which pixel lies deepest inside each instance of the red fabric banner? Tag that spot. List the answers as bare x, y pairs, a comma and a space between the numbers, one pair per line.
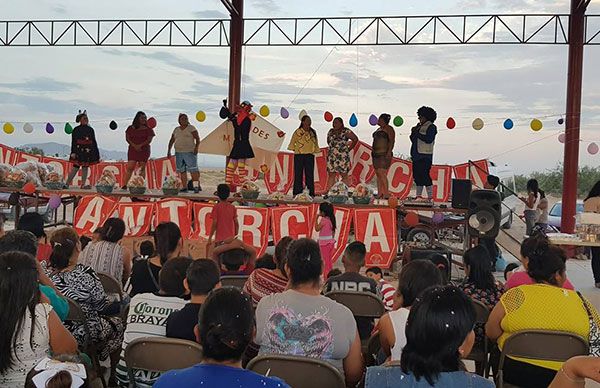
442, 178
343, 220
377, 229
476, 172
117, 168
25, 157
293, 221
175, 210
202, 220
91, 212
280, 177
137, 217
321, 172
60, 166
400, 178
362, 164
7, 155
161, 169
254, 227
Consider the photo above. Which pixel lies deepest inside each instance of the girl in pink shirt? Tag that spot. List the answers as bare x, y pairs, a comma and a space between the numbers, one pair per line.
325, 225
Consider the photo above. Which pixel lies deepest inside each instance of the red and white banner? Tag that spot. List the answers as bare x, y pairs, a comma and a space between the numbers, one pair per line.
362, 164
178, 211
254, 227
293, 221
91, 212
202, 220
117, 168
442, 178
321, 171
137, 217
62, 167
343, 221
476, 171
7, 155
163, 168
400, 178
377, 229
280, 176
25, 157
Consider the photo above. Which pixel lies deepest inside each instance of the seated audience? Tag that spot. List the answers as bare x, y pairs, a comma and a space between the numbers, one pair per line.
147, 249
34, 223
148, 315
224, 328
107, 255
441, 262
29, 327
234, 257
439, 334
521, 276
384, 288
414, 278
301, 322
60, 371
351, 280
263, 282
202, 276
575, 370
332, 273
84, 241
81, 284
544, 305
22, 241
144, 274
508, 271
266, 261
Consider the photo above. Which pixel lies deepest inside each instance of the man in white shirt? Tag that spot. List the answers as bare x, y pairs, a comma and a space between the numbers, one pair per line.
186, 141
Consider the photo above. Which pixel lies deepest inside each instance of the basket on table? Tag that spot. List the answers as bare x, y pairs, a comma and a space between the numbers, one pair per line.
104, 189
54, 185
134, 190
337, 199
361, 200
250, 194
170, 191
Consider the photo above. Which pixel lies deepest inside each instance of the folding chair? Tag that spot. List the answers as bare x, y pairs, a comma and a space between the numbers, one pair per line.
373, 349
480, 353
110, 284
234, 281
298, 372
160, 354
540, 345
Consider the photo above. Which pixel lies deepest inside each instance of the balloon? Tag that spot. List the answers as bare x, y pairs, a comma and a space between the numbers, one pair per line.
561, 121
54, 201
284, 113
200, 116
477, 124
398, 121
151, 123
508, 124
264, 111
437, 218
593, 148
393, 202
68, 129
450, 123
29, 188
264, 168
302, 114
353, 120
412, 219
536, 125
373, 120
113, 125
8, 128
328, 117
49, 128
27, 128
561, 138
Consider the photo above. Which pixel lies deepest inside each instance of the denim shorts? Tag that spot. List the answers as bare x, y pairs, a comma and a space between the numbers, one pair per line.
186, 162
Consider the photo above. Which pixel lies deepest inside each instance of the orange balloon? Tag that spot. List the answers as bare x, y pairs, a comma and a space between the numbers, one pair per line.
393, 202
29, 188
412, 219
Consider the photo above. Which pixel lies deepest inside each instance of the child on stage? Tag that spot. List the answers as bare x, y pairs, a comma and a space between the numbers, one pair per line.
325, 225
84, 150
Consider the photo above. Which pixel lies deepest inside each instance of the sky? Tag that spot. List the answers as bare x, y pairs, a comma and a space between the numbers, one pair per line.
49, 84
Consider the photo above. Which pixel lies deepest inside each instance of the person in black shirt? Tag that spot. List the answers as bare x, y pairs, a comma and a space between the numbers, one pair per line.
201, 278
351, 280
84, 149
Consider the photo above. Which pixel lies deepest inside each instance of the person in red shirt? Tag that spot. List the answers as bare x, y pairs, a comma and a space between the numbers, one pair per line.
224, 215
138, 136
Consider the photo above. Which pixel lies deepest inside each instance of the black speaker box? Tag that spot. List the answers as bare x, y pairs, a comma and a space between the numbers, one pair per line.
461, 191
483, 218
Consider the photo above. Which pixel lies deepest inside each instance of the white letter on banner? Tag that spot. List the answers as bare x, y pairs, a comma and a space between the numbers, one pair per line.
358, 159
285, 221
133, 226
173, 206
405, 170
253, 228
375, 232
92, 214
440, 183
202, 221
476, 176
281, 168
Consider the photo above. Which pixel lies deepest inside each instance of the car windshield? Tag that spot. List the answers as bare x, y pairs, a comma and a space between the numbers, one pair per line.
556, 210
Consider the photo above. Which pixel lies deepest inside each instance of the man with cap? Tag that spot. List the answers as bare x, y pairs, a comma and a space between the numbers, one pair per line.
241, 150
186, 141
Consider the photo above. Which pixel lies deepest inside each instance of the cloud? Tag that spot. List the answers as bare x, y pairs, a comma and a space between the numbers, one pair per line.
210, 14
266, 6
41, 85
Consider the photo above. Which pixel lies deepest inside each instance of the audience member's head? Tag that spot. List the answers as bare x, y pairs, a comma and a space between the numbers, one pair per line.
233, 259
441, 262
439, 333
334, 272
65, 248
113, 230
32, 222
19, 240
147, 249
508, 270
226, 325
529, 245
304, 263
172, 275
19, 293
167, 240
478, 268
84, 241
354, 256
96, 236
414, 278
69, 370
375, 273
547, 264
492, 182
202, 277
281, 250
266, 261
223, 191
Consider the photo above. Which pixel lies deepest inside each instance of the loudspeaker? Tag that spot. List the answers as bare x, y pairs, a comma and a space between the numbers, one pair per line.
483, 218
461, 191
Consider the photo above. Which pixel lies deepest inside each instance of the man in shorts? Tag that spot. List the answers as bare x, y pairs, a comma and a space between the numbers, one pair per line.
186, 140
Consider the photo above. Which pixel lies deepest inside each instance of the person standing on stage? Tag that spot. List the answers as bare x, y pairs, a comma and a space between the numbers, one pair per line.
422, 139
305, 145
341, 141
84, 150
383, 144
138, 136
186, 141
242, 149
592, 205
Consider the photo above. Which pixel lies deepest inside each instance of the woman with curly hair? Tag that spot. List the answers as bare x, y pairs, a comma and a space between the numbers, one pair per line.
422, 139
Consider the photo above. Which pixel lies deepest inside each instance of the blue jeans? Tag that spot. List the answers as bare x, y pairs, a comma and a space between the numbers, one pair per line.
186, 162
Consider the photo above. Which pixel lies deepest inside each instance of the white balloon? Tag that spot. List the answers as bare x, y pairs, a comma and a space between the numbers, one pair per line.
302, 114
27, 128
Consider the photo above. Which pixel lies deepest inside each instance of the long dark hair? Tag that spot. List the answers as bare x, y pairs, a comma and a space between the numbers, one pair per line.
480, 267
136, 120
545, 261
312, 131
166, 238
594, 192
414, 278
63, 242
533, 186
437, 326
112, 230
327, 209
19, 293
304, 261
281, 251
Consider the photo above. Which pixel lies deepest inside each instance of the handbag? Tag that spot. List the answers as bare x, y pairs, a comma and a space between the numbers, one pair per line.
594, 336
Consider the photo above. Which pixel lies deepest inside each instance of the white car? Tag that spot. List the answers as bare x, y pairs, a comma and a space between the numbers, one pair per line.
555, 214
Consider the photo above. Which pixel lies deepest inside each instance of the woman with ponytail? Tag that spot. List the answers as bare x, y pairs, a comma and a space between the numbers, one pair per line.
168, 243
80, 283
544, 305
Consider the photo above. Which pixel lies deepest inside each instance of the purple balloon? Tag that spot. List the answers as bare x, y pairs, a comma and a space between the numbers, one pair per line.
54, 201
373, 120
284, 113
437, 218
49, 128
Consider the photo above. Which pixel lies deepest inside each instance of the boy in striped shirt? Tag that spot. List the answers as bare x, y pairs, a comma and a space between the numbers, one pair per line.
385, 289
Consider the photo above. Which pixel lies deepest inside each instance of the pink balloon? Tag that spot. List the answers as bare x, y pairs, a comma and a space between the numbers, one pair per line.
593, 148
54, 201
561, 138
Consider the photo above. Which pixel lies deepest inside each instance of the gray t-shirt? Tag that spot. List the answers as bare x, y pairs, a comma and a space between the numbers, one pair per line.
297, 324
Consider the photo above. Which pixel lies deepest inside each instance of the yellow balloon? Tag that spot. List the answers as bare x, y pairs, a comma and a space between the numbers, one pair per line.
264, 111
8, 128
536, 125
200, 116
477, 124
